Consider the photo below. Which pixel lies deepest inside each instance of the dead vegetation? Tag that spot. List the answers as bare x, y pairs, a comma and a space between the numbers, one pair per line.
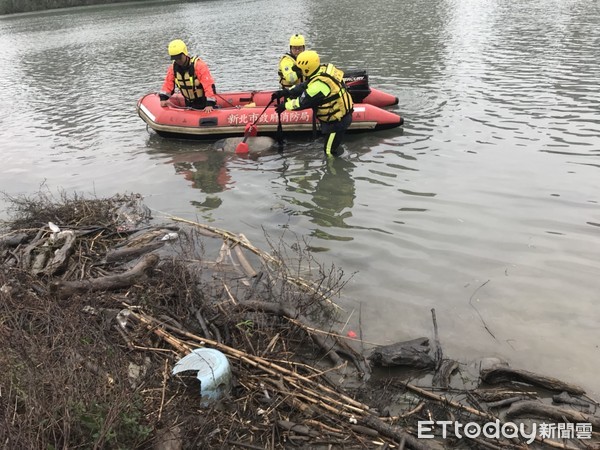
97, 305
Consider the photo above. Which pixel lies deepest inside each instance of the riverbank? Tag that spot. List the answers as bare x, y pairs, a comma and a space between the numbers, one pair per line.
98, 305
22, 6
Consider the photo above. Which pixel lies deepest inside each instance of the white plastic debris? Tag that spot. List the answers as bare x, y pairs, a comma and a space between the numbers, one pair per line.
214, 373
55, 232
65, 235
170, 237
90, 310
135, 372
123, 318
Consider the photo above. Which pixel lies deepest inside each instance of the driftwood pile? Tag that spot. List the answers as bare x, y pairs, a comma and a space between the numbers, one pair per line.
97, 305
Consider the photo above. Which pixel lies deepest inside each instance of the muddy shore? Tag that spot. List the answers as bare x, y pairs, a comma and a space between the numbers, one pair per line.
99, 302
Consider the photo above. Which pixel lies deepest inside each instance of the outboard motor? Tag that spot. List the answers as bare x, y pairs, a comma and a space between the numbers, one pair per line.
357, 82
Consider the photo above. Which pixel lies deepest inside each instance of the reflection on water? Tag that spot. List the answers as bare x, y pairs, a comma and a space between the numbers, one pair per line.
205, 170
324, 194
494, 177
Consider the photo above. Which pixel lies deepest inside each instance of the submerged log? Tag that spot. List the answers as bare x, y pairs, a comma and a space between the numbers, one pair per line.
413, 353
129, 253
496, 395
565, 398
507, 401
532, 408
498, 374
12, 239
111, 282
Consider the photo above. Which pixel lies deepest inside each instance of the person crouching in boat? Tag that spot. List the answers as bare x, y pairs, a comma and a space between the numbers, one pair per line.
289, 73
324, 91
192, 76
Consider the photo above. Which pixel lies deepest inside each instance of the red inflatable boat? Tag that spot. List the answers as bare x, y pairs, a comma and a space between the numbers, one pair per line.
238, 109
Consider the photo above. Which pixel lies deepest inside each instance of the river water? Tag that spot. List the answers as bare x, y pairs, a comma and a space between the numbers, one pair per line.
484, 207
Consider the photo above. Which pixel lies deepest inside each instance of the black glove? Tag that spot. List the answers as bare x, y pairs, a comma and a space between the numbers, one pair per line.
280, 108
281, 93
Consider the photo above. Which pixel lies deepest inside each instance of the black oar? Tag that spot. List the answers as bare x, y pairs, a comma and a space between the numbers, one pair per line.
242, 147
279, 130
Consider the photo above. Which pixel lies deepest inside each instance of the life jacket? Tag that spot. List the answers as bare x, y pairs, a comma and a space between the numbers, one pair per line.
339, 102
290, 62
187, 82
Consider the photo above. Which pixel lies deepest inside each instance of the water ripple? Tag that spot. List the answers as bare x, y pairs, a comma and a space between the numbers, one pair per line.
494, 175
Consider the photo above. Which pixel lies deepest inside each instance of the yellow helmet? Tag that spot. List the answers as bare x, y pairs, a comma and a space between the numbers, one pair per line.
297, 40
309, 62
177, 47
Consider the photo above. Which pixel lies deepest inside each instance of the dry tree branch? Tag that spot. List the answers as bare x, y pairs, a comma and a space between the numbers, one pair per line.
267, 258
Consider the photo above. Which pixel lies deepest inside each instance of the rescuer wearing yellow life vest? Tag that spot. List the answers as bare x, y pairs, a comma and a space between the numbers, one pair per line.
191, 75
324, 91
289, 73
